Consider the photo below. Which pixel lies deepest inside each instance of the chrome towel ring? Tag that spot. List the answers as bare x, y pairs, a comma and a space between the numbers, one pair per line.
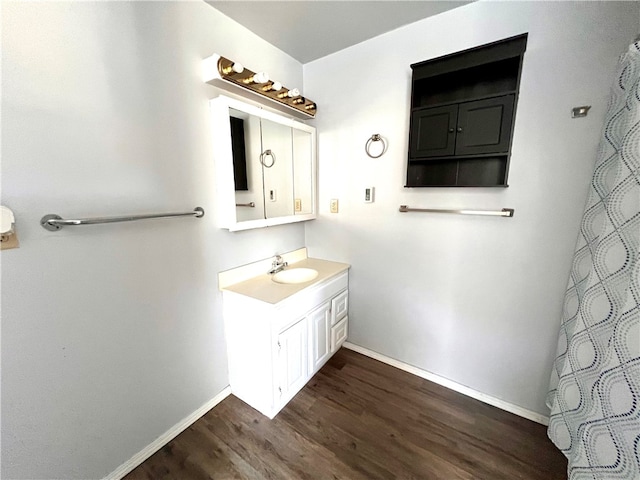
263, 157
376, 137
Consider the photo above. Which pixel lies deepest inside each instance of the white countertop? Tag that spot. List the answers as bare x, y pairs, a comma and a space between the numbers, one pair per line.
263, 288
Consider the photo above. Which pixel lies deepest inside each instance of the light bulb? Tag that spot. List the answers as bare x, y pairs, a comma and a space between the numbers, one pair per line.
273, 86
261, 77
291, 93
233, 68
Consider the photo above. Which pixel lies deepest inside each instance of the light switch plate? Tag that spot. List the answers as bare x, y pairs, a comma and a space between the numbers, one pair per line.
334, 205
369, 194
577, 112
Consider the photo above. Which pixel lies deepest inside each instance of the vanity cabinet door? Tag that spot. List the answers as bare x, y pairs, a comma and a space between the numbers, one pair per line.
339, 307
292, 370
320, 324
339, 333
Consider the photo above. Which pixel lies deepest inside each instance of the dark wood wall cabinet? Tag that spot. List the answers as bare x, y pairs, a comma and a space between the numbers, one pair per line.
462, 111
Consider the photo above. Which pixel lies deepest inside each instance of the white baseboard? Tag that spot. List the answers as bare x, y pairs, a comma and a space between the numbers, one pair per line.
166, 437
450, 384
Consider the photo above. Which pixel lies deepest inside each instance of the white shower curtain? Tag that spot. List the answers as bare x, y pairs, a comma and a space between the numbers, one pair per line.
595, 384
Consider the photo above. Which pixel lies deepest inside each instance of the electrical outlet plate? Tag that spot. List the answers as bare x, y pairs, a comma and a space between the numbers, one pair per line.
9, 241
298, 204
334, 205
273, 195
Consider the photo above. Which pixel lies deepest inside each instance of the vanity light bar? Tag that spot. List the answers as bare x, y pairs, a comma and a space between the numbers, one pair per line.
217, 67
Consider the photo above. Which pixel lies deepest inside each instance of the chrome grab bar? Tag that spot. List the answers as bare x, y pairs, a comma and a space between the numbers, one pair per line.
53, 222
250, 204
505, 212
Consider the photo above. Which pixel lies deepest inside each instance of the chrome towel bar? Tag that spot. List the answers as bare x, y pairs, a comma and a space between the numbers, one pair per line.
55, 222
505, 212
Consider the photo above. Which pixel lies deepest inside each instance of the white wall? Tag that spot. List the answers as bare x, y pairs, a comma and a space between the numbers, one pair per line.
111, 334
476, 300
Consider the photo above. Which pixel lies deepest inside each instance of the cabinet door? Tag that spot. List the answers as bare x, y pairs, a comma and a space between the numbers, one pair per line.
484, 126
339, 333
339, 307
292, 361
277, 168
320, 324
433, 131
245, 147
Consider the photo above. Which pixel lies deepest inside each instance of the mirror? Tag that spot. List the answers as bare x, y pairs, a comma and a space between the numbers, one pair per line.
247, 176
276, 161
266, 166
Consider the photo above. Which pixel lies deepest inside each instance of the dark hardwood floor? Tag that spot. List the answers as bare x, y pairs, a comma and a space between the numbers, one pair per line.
360, 419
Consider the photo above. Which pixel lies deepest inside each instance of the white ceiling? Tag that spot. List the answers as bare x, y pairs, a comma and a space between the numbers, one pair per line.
310, 29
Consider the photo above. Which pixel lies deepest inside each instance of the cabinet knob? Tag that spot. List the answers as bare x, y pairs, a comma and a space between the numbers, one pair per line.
451, 130
459, 129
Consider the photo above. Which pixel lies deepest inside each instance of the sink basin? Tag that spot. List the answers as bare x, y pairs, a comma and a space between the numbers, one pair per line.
295, 275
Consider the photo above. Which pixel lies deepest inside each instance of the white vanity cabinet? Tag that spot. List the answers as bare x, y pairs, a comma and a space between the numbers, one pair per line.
274, 349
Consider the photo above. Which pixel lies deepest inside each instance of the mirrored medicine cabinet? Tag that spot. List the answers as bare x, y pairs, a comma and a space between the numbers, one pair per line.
265, 166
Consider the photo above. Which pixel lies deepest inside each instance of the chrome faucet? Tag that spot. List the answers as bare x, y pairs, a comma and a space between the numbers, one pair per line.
277, 265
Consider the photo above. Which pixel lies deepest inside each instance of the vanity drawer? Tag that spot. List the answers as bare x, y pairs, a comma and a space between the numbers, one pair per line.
339, 307
339, 334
